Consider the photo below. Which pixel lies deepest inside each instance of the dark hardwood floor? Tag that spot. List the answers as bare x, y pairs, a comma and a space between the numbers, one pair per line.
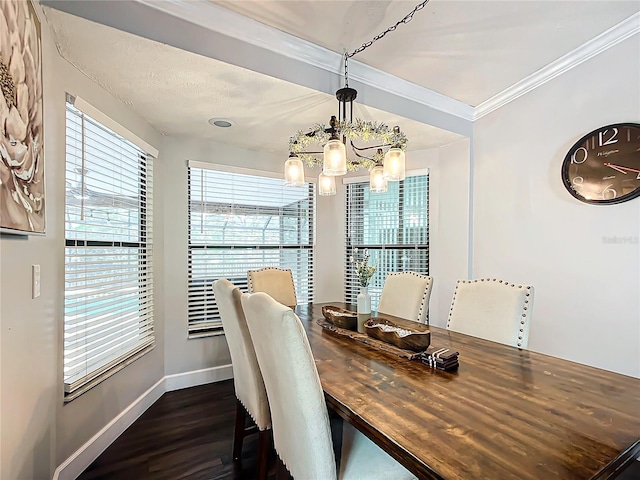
187, 434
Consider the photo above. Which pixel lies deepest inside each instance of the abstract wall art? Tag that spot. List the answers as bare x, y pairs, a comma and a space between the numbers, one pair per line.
22, 189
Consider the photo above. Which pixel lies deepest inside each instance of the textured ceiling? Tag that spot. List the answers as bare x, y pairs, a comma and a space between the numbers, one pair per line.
467, 50
178, 91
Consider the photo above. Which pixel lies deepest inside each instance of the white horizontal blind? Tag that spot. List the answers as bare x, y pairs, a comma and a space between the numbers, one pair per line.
108, 302
392, 227
240, 222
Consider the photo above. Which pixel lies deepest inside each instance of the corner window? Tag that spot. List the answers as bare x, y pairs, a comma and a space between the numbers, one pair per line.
240, 222
393, 227
108, 295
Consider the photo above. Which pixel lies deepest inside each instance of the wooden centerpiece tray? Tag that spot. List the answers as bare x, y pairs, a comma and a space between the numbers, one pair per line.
340, 317
404, 334
420, 329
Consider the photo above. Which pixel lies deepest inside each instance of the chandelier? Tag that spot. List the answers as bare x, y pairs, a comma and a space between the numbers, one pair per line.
374, 146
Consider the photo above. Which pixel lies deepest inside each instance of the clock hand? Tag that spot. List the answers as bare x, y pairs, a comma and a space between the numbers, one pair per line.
621, 168
615, 168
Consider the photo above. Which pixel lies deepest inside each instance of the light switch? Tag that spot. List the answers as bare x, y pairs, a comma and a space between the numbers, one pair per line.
35, 281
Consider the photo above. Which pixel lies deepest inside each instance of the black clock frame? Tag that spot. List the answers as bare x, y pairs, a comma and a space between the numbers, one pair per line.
564, 171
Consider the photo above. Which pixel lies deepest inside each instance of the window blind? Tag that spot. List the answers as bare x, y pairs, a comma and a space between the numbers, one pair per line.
240, 222
108, 296
393, 227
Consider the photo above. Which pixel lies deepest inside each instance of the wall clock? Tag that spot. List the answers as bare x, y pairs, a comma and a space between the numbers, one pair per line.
603, 167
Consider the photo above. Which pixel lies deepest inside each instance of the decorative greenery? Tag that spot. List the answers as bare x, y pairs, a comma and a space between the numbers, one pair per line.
358, 130
363, 269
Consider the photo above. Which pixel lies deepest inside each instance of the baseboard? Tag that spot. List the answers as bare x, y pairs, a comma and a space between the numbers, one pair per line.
78, 462
198, 377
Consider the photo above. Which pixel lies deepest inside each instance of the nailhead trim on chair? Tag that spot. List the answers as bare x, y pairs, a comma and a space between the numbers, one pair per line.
250, 282
424, 295
526, 301
268, 427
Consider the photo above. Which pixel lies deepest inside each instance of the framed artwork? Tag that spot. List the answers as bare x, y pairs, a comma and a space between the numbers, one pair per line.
22, 199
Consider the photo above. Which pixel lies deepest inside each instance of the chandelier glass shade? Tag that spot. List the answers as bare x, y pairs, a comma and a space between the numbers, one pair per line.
293, 172
334, 158
377, 182
326, 185
394, 165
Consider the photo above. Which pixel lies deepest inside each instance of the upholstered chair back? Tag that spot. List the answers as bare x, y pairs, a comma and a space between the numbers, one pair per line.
492, 309
247, 378
301, 432
406, 295
276, 282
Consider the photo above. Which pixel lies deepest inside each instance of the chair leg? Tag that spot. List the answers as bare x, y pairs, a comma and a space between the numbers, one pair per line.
238, 435
336, 424
264, 447
281, 471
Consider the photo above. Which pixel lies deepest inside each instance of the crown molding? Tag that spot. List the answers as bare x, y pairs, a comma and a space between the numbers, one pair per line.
231, 24
616, 34
373, 77
272, 52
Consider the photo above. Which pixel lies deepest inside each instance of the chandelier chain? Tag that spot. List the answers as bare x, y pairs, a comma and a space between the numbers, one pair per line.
406, 19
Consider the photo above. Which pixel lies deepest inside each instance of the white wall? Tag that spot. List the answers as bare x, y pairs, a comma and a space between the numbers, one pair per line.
529, 229
449, 178
37, 431
329, 251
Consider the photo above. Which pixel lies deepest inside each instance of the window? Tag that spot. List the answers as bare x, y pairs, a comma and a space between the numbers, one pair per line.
392, 226
240, 222
108, 295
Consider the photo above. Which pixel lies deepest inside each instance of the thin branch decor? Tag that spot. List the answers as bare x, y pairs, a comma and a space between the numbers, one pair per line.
358, 130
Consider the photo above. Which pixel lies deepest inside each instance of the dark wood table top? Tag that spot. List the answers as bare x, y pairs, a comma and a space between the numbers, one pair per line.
505, 414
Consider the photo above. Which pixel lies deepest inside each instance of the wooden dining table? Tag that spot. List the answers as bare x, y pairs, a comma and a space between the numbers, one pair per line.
505, 413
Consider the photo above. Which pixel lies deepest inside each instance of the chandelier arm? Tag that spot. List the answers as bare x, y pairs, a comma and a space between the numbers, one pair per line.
360, 149
364, 157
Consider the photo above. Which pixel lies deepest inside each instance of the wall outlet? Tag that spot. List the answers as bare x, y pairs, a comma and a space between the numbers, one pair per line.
35, 281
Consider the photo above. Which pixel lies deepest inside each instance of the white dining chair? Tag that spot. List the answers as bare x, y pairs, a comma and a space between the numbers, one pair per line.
276, 282
406, 295
492, 309
301, 431
251, 396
